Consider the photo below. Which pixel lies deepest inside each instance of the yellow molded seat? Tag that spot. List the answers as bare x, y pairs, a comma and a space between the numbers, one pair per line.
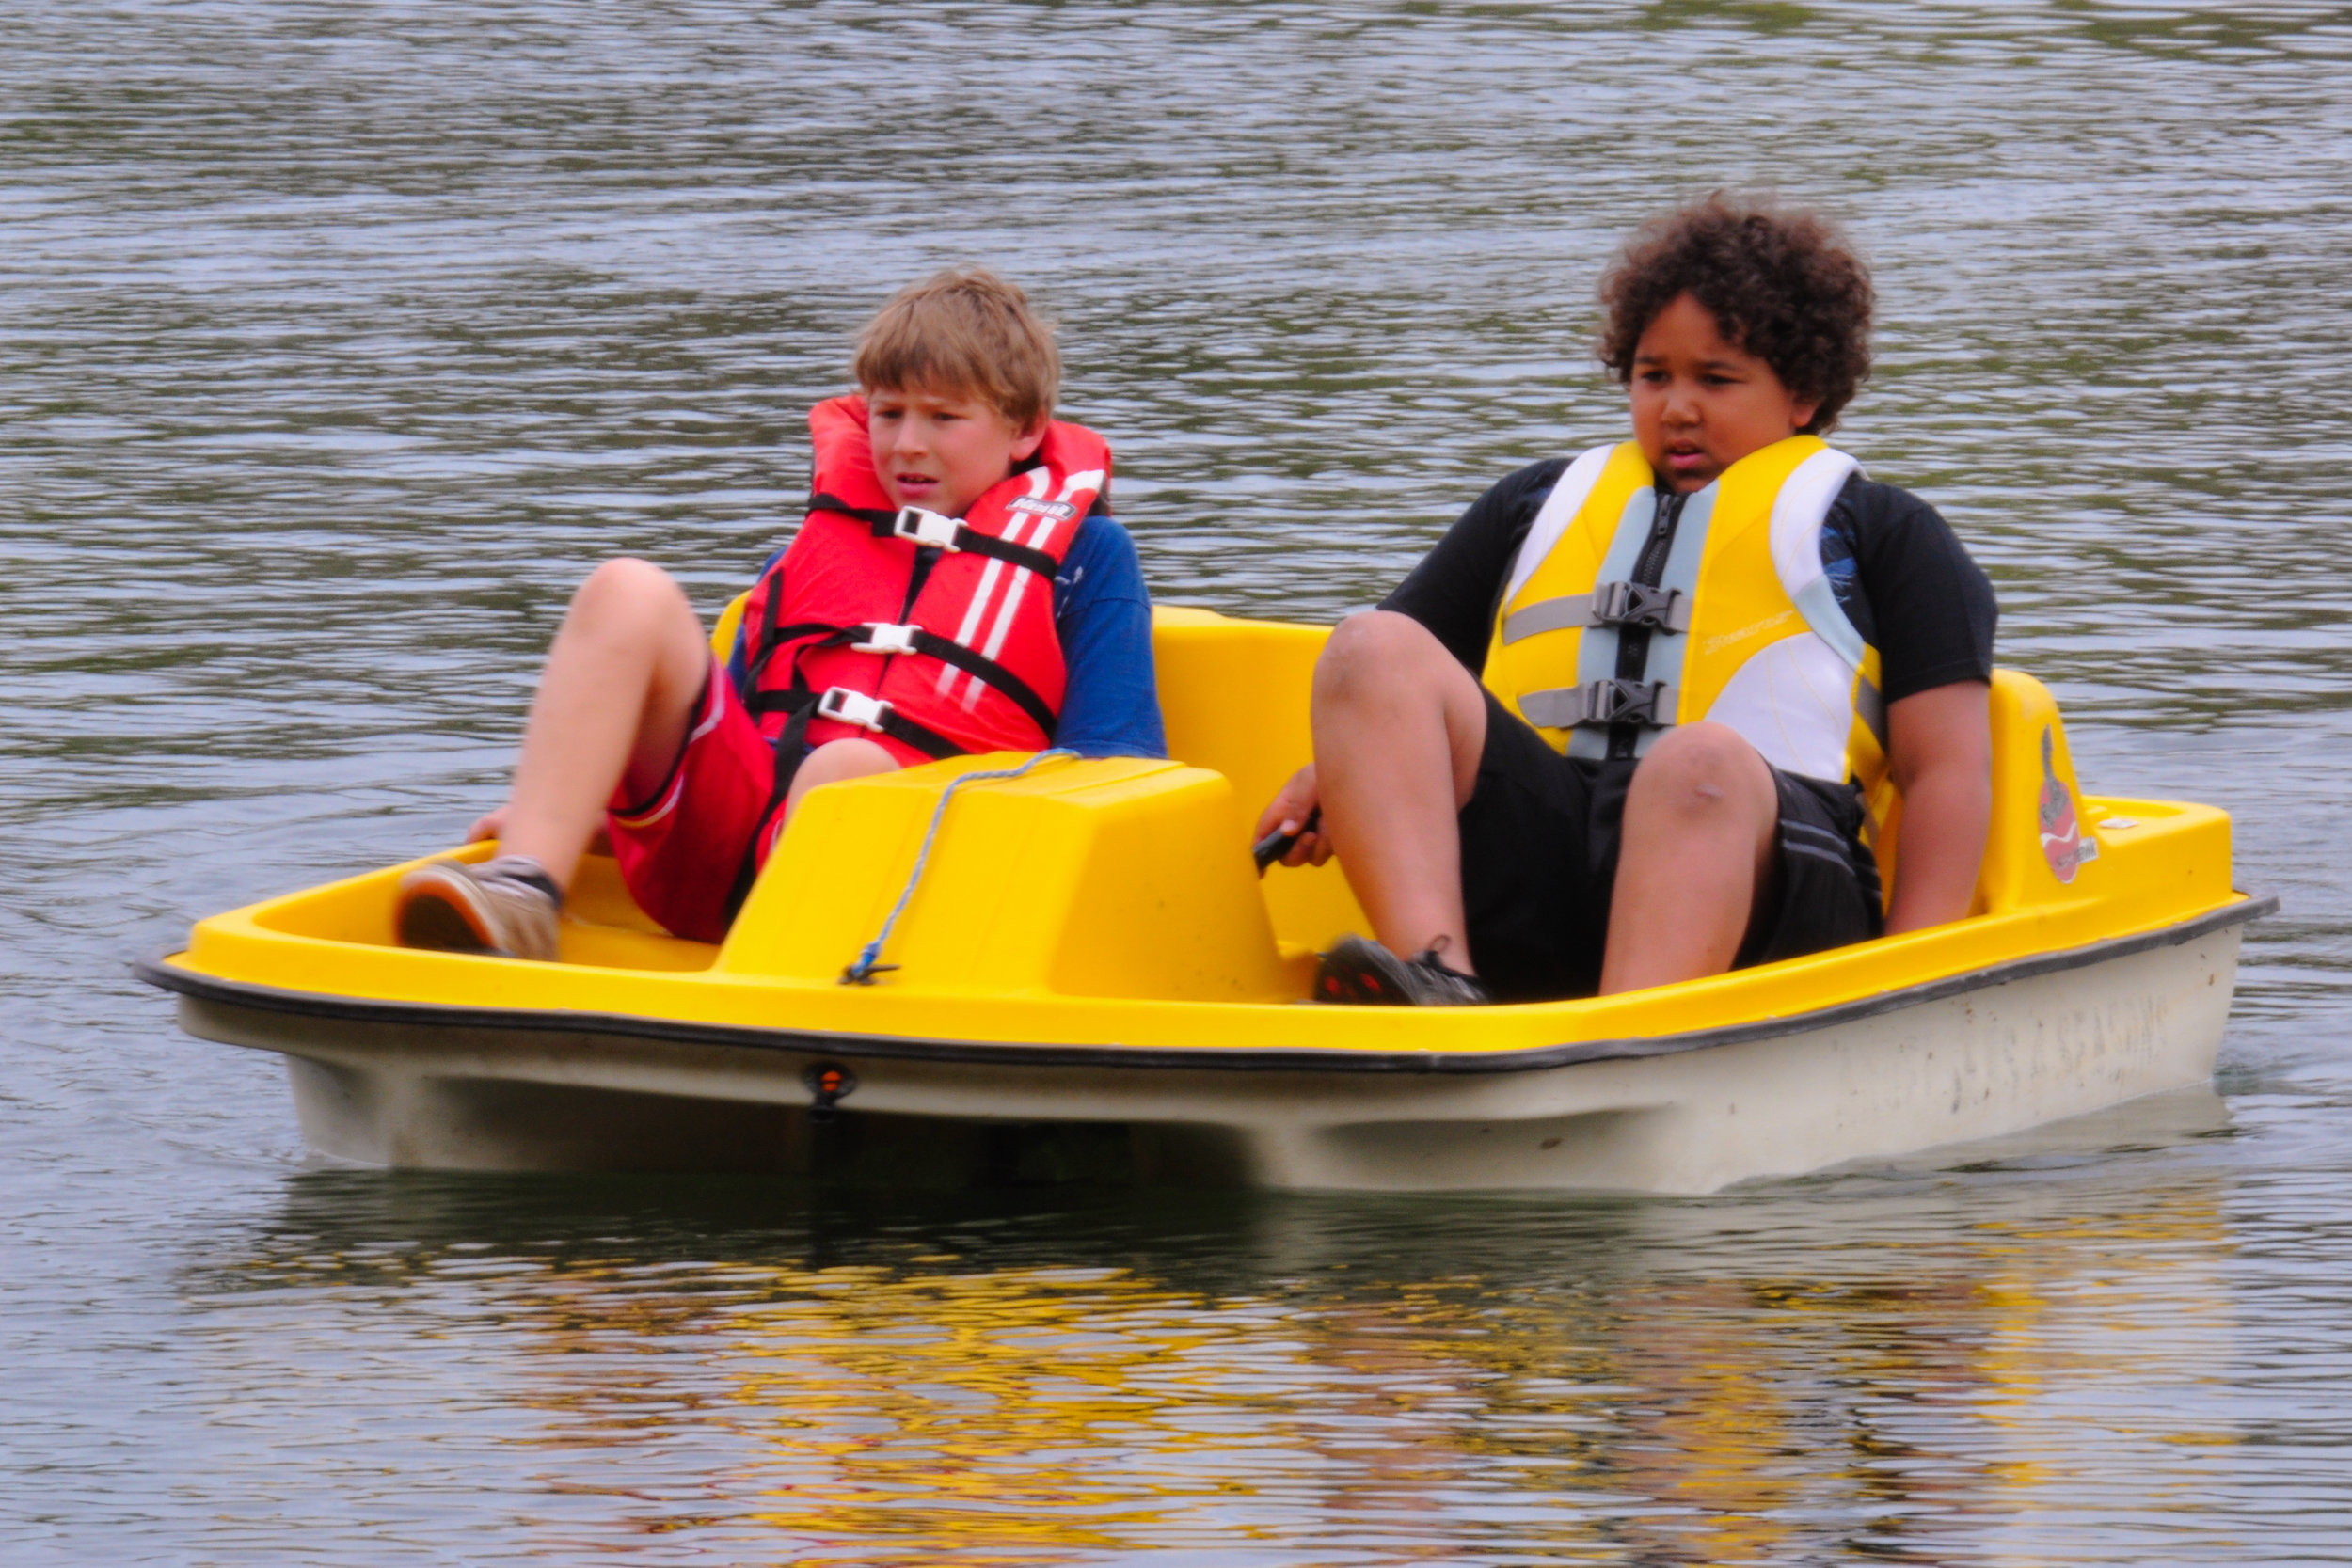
1111, 877
1132, 878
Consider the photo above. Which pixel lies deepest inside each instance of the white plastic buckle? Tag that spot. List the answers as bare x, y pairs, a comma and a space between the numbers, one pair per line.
883, 637
845, 707
935, 529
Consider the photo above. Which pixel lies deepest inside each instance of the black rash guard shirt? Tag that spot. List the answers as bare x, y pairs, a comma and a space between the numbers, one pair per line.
1900, 574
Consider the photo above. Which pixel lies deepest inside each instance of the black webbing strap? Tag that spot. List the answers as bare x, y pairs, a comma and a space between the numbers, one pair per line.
884, 524
938, 531
991, 674
800, 701
772, 637
765, 648
972, 542
790, 754
929, 742
930, 644
880, 518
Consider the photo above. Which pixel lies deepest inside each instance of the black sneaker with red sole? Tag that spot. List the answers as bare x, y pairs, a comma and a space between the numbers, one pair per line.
1366, 974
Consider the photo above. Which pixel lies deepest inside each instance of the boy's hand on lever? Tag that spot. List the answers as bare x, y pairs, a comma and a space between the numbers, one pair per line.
1292, 810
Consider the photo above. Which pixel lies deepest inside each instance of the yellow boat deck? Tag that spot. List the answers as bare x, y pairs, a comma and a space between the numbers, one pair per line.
1113, 904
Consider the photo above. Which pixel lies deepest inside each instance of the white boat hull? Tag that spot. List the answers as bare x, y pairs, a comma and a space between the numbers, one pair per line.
1970, 1058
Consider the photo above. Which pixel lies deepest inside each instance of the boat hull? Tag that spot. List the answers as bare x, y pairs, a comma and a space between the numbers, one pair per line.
1970, 1057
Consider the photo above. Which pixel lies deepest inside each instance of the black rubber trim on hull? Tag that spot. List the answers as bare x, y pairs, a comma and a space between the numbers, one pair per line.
1196, 1059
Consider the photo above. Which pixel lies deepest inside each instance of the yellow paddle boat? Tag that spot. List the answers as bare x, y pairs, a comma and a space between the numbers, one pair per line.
1087, 955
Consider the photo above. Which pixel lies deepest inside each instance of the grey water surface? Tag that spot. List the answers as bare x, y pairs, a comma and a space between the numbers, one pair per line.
337, 340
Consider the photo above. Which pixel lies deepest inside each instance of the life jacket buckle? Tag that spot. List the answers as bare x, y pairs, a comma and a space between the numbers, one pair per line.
845, 707
935, 529
1625, 702
1611, 702
883, 637
1638, 604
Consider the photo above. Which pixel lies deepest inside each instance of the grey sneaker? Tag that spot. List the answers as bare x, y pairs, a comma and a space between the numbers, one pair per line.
1364, 971
498, 907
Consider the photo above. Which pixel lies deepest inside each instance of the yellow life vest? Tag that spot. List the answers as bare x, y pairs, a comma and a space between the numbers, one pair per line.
1744, 627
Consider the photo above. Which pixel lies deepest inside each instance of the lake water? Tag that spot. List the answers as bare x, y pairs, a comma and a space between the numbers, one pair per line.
337, 340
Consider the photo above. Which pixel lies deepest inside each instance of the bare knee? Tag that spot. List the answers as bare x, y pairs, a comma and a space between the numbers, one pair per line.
1382, 677
632, 610
1703, 770
628, 589
836, 760
1376, 650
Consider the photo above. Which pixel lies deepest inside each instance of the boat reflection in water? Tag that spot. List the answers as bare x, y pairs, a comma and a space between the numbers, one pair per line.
1860, 1361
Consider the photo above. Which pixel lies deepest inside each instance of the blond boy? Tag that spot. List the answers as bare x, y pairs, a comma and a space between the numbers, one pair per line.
958, 586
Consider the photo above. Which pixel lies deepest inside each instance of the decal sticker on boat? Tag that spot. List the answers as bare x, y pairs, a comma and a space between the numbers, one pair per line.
2063, 843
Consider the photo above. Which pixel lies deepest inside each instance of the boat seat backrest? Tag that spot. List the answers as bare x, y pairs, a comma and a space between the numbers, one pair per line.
1233, 696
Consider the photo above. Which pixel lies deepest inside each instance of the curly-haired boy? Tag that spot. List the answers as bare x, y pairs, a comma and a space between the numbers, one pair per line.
1638, 717
959, 585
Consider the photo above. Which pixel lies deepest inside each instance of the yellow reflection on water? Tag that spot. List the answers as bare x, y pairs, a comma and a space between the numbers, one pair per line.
1708, 1383
998, 1413
1029, 1414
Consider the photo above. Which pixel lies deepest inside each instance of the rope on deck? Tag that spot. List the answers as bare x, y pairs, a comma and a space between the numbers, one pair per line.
863, 969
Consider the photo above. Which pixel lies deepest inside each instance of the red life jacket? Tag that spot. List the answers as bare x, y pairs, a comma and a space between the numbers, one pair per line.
970, 661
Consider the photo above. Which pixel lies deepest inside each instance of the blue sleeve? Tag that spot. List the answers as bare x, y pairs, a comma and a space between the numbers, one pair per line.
738, 657
1102, 614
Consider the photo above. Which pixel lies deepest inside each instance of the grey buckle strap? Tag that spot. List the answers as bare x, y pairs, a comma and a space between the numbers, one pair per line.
1612, 603
1612, 702
1637, 603
1547, 615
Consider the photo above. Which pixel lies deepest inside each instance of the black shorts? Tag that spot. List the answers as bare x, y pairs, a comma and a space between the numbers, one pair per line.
1539, 860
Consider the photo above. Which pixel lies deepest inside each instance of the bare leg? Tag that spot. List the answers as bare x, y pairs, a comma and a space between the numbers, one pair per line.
835, 760
1701, 822
1398, 726
613, 705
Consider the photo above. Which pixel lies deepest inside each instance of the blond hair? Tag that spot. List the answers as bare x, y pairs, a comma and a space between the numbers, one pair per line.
964, 331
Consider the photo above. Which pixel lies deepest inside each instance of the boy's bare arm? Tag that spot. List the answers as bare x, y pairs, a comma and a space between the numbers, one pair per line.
1940, 755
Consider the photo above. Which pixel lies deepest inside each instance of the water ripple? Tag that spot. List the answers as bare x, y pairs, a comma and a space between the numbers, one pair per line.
341, 339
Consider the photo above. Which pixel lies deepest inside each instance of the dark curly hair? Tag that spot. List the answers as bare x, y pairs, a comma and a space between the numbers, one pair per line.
1781, 285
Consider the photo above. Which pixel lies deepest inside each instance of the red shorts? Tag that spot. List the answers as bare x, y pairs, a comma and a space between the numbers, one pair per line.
685, 850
